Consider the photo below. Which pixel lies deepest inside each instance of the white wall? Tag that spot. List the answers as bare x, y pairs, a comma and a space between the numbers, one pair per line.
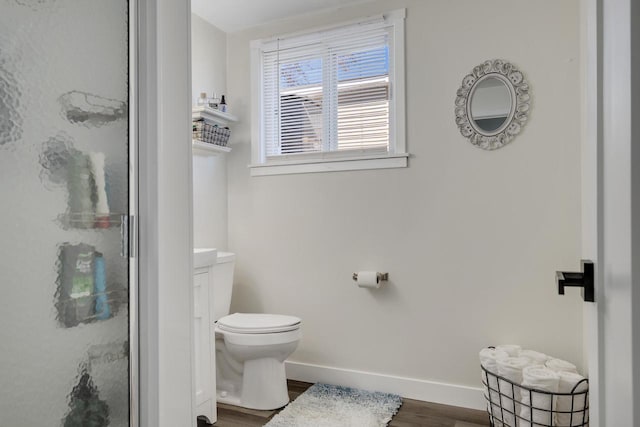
208, 58
209, 74
470, 238
209, 200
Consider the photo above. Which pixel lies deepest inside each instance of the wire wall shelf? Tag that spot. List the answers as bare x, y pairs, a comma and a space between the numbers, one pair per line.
91, 220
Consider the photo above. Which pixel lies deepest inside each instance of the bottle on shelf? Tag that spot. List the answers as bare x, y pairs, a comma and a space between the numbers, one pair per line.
223, 105
202, 101
75, 298
214, 101
80, 183
102, 309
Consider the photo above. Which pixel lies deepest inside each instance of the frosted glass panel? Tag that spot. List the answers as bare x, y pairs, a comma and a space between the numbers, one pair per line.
64, 340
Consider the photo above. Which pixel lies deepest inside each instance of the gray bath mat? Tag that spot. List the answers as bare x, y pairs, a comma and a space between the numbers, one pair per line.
324, 405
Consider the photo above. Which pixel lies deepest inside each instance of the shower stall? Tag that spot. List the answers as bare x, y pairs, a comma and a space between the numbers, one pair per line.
68, 302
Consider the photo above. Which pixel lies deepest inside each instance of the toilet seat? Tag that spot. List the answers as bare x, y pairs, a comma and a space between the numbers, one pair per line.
257, 340
254, 323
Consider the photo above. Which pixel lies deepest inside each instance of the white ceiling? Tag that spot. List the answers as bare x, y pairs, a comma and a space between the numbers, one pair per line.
236, 15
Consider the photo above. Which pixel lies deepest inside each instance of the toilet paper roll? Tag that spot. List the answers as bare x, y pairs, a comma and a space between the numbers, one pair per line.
368, 279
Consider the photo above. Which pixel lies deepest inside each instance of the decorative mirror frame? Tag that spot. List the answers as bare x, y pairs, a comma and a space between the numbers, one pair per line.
520, 104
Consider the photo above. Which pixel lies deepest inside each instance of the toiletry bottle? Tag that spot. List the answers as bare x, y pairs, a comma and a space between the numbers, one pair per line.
102, 308
76, 284
81, 185
214, 101
202, 101
223, 105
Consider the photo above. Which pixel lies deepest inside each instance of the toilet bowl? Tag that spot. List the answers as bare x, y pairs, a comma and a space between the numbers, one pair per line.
250, 354
251, 348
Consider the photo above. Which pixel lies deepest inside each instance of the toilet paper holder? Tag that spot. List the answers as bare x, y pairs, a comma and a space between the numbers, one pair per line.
380, 277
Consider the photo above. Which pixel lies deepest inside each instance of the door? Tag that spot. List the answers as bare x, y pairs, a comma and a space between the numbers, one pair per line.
592, 203
64, 264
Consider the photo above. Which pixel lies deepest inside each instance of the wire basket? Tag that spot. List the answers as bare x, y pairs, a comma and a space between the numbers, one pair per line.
212, 134
513, 405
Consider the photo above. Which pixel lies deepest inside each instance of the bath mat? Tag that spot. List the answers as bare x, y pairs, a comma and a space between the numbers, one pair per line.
324, 405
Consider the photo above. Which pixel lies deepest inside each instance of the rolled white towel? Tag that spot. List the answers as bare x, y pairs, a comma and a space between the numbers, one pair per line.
536, 357
564, 418
559, 365
489, 356
511, 369
536, 407
513, 350
488, 360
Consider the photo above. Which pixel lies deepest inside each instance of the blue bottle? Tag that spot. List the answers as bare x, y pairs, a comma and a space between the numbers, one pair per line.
100, 285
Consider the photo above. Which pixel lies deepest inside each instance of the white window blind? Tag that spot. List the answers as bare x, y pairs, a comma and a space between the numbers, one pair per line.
328, 93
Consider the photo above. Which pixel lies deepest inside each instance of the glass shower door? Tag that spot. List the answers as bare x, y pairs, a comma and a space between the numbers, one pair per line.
64, 209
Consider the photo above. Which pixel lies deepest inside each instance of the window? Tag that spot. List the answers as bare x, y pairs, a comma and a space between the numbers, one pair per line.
330, 100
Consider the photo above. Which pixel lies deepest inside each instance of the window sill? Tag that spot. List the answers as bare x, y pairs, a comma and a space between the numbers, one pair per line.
333, 165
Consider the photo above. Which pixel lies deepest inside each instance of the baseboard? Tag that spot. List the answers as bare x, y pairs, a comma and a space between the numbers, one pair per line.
429, 391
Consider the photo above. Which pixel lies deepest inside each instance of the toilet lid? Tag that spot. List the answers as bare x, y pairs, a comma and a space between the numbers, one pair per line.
249, 323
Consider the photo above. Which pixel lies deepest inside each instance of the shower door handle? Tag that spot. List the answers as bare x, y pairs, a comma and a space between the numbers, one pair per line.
584, 280
128, 236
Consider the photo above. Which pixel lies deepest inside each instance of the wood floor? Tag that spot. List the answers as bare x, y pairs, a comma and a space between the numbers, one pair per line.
412, 413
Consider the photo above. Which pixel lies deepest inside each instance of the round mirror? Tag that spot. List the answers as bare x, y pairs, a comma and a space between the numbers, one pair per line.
490, 105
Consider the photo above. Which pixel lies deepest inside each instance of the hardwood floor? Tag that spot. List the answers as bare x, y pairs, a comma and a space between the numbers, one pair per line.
412, 413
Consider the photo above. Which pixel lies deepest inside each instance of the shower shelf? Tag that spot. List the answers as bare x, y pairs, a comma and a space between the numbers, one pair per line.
75, 311
90, 220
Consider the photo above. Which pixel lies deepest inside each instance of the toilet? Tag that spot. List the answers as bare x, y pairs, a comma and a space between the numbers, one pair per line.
250, 348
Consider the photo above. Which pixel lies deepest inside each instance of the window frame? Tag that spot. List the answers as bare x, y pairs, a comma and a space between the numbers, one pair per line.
395, 157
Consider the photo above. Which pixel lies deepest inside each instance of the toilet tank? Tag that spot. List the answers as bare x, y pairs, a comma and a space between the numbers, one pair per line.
223, 284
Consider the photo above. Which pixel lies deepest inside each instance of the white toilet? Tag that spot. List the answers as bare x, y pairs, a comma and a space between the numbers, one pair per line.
250, 348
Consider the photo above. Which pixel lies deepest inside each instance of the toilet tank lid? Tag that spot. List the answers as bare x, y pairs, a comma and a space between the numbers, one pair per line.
225, 257
204, 257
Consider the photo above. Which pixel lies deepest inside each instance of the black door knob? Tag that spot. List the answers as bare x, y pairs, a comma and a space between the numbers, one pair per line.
584, 280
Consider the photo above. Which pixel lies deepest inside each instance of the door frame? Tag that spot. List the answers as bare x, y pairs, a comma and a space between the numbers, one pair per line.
611, 208
131, 235
621, 209
613, 97
165, 230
